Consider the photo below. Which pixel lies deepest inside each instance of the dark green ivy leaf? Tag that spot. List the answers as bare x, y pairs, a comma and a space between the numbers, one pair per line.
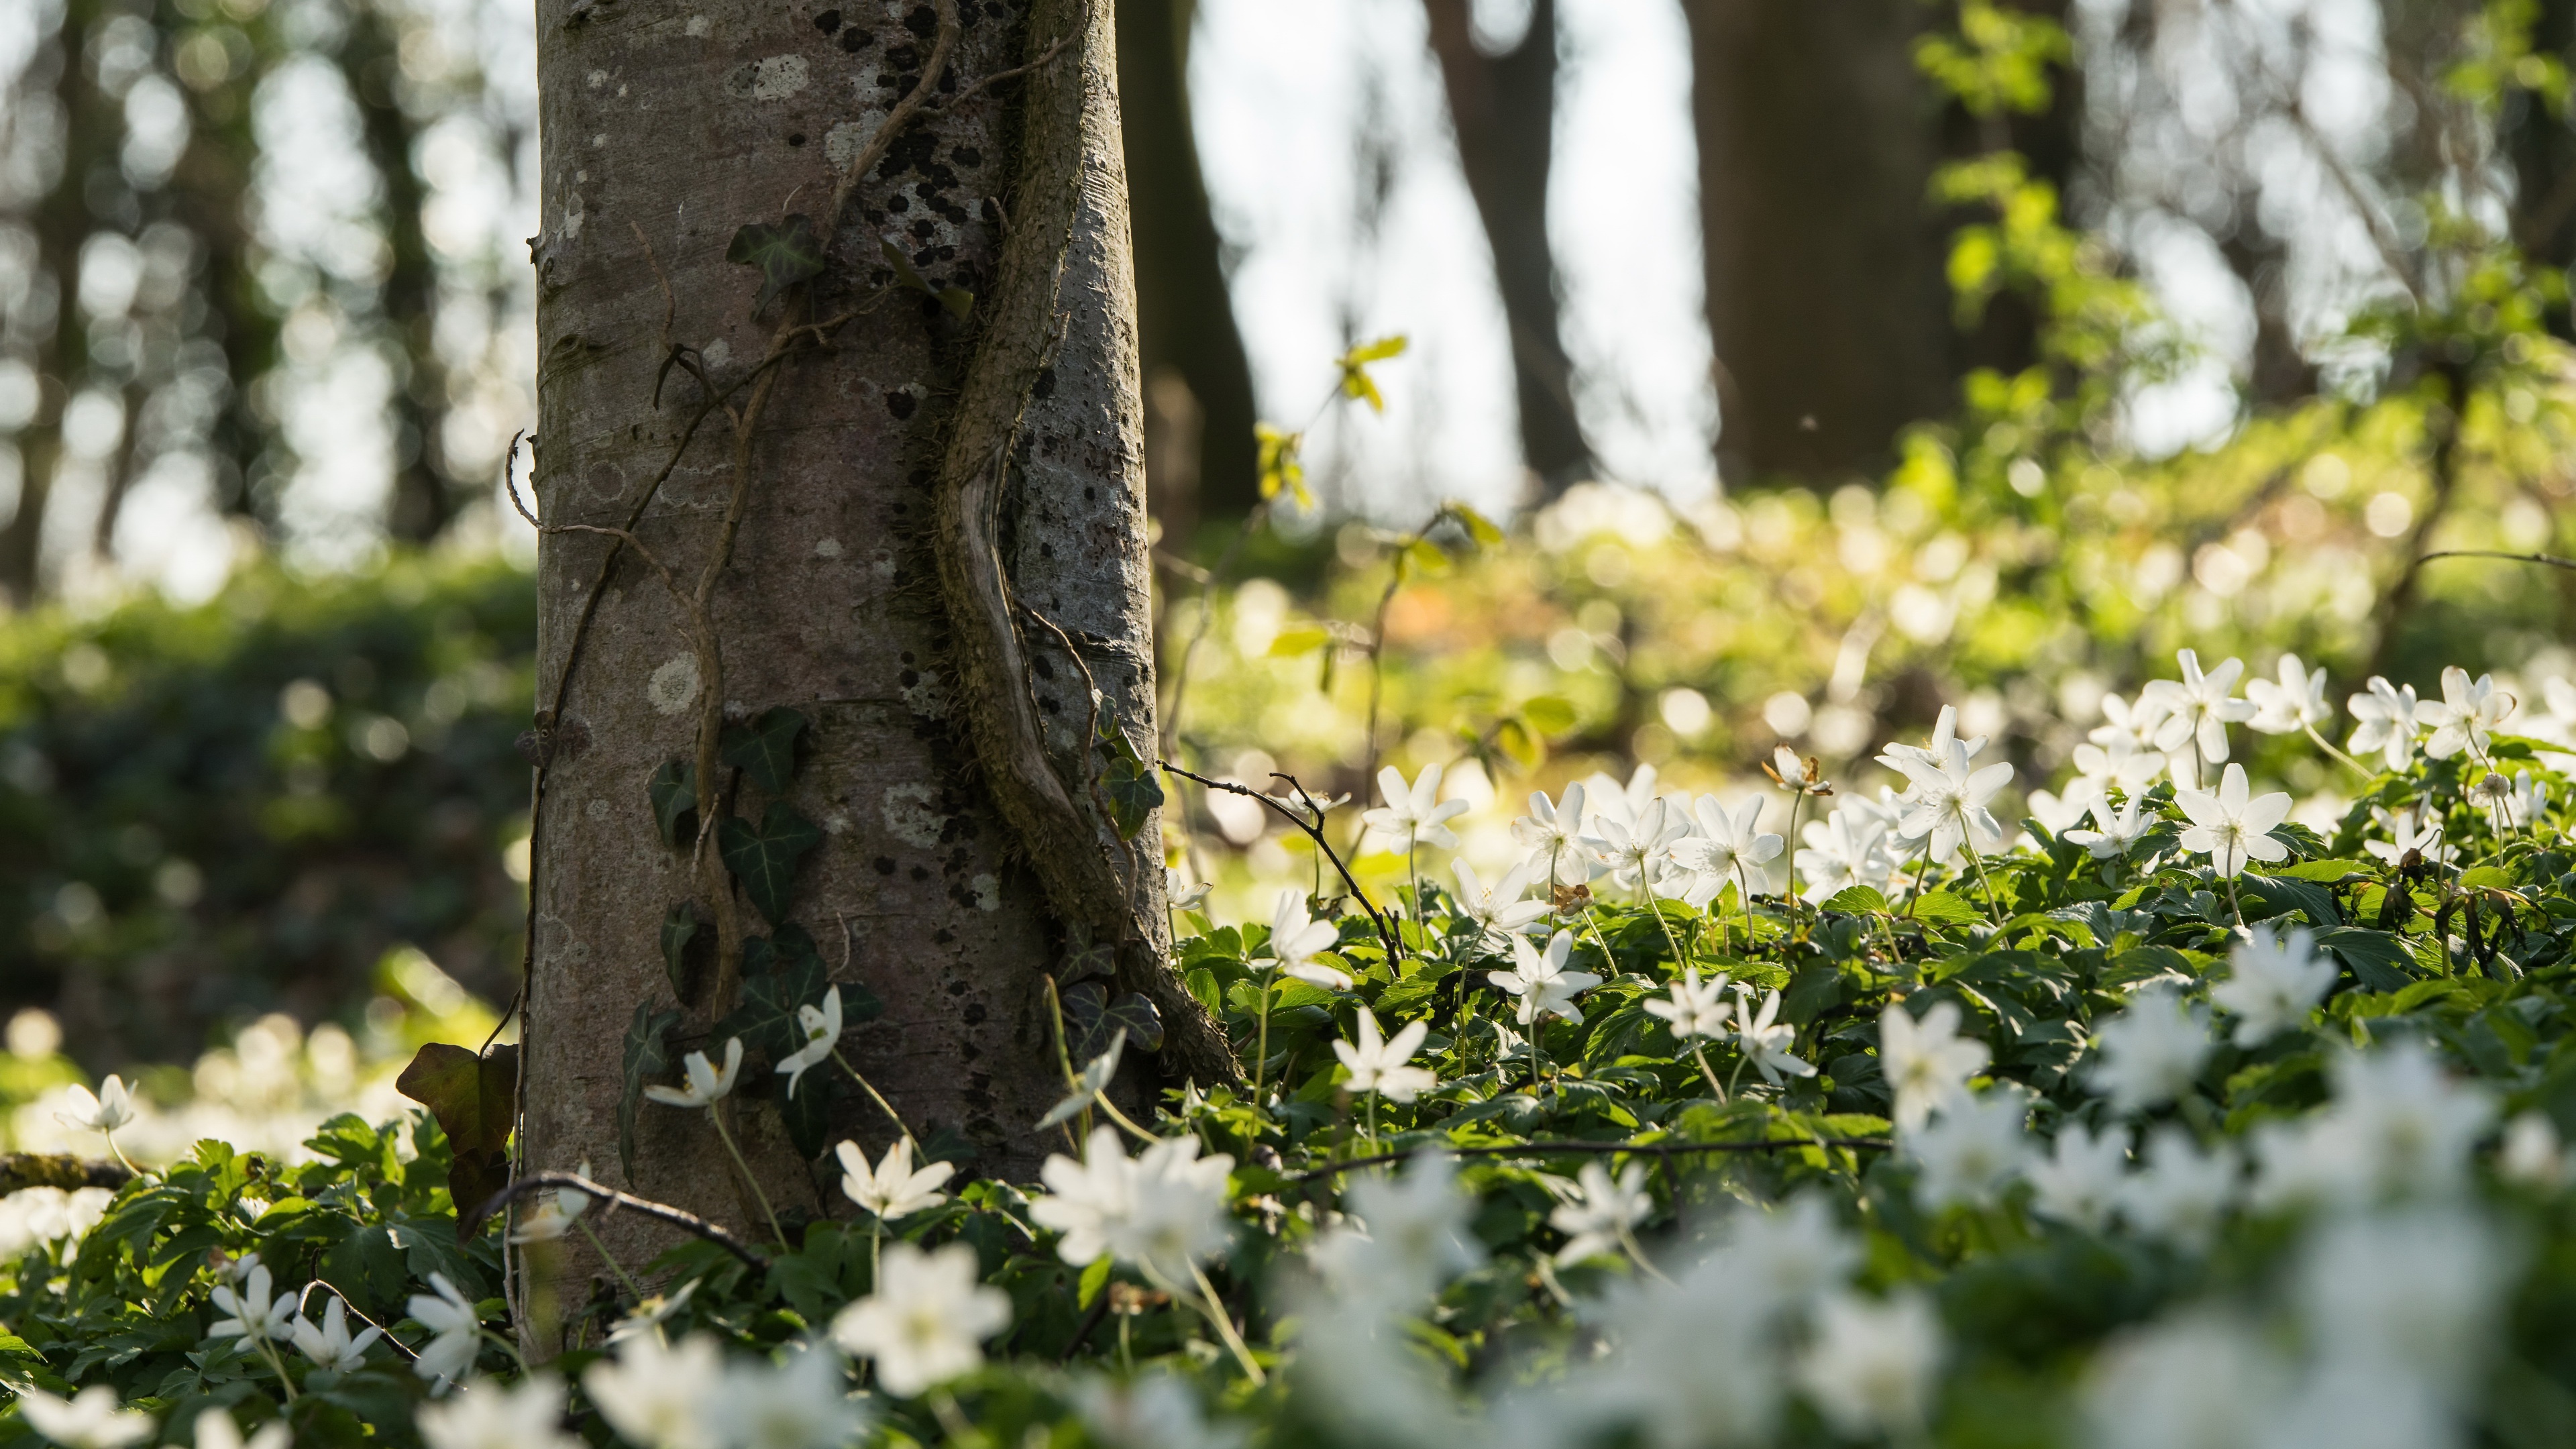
679, 928
1133, 794
766, 1019
786, 254
647, 1057
1092, 1018
765, 749
808, 1114
674, 789
764, 857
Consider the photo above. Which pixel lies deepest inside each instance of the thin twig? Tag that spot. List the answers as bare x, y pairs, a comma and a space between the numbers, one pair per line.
681, 1218
969, 92
2532, 558
1314, 831
1535, 1149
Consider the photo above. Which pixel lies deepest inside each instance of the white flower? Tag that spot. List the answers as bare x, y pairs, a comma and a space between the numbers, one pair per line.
1936, 751
1692, 1363
1843, 850
1540, 980
822, 1029
1790, 1255
33, 1217
2409, 1293
1295, 940
1970, 1149
2122, 762
803, 1403
928, 1319
2231, 828
1596, 1211
2532, 1153
1607, 799
707, 1086
1693, 1007
2468, 712
458, 1327
253, 1314
1402, 1236
1413, 815
2408, 831
2528, 801
1096, 1076
489, 1415
1378, 1064
1926, 1063
214, 1429
2190, 1382
112, 1108
2120, 829
1728, 848
2385, 720
2080, 1179
1182, 896
1870, 1369
89, 1419
1764, 1043
2398, 1126
2132, 725
660, 1396
2182, 1192
2198, 709
553, 1217
2298, 702
1635, 851
1155, 1410
2059, 813
1949, 801
1161, 1212
1554, 834
330, 1346
2150, 1053
1500, 911
892, 1189
2277, 980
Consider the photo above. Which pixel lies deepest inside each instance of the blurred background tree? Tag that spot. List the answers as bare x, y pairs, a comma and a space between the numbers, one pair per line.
1977, 351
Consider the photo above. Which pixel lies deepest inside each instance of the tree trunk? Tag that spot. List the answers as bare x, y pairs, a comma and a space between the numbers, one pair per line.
1817, 138
918, 505
1199, 413
1503, 108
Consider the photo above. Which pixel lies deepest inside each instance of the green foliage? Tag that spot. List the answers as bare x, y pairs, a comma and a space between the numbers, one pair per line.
784, 254
475, 1098
764, 857
212, 811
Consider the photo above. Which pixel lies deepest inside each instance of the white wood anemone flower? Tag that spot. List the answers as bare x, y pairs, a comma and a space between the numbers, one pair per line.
822, 1028
2232, 825
1413, 814
1378, 1064
1296, 939
707, 1086
90, 1419
524, 1415
330, 1345
927, 1321
1541, 982
893, 1188
1692, 1007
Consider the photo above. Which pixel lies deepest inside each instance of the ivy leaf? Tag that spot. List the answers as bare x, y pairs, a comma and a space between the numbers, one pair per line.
787, 947
808, 1115
766, 1019
786, 254
764, 750
674, 789
475, 1099
679, 928
1093, 1017
647, 1057
1133, 794
764, 857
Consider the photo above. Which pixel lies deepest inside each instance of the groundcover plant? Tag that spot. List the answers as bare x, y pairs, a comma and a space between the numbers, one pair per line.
2169, 1124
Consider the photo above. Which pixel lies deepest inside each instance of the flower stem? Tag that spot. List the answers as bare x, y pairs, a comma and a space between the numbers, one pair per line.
2357, 766
120, 1154
765, 1209
1681, 958
1984, 879
1225, 1327
1261, 1051
269, 1352
873, 1094
1699, 1054
610, 1259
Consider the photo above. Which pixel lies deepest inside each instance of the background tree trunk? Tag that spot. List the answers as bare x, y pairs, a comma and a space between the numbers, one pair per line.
1817, 137
1199, 410
1503, 108
671, 131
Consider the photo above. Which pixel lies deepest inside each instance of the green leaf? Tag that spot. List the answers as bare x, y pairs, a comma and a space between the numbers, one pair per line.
475, 1099
1946, 909
1356, 382
674, 789
679, 927
808, 1115
367, 1267
1094, 1278
1549, 714
764, 857
1092, 1017
1811, 990
765, 749
1856, 901
1134, 794
2378, 959
1289, 643
647, 1058
1478, 526
774, 984
786, 254
1283, 468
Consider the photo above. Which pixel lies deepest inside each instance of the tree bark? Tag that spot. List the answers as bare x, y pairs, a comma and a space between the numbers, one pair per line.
1503, 109
1202, 464
1817, 138
920, 505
